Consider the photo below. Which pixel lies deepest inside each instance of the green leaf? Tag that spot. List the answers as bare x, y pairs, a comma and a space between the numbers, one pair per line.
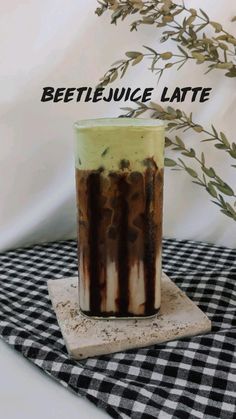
179, 113
223, 46
133, 54
150, 49
210, 68
221, 146
137, 59
124, 69
198, 56
220, 181
113, 76
170, 162
232, 41
190, 20
177, 12
225, 66
189, 153
225, 212
210, 188
222, 38
117, 13
225, 189
167, 18
198, 128
183, 51
168, 142
169, 65
232, 153
137, 4
117, 62
193, 12
203, 158
171, 125
224, 139
201, 27
179, 142
148, 20
230, 208
204, 14
191, 172
182, 64
166, 55
217, 203
157, 107
231, 72
214, 131
177, 148
171, 110
169, 33
209, 171
222, 200
217, 26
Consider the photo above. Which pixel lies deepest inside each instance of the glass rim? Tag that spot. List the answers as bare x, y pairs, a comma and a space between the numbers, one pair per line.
120, 122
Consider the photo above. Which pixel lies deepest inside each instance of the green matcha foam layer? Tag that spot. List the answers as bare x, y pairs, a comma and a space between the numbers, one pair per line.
106, 142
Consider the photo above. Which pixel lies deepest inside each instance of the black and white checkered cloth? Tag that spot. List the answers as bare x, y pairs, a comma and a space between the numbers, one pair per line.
189, 378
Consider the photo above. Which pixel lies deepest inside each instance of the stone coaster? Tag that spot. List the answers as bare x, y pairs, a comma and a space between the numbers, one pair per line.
178, 317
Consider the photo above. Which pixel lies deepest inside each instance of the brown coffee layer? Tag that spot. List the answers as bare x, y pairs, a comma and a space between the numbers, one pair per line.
120, 221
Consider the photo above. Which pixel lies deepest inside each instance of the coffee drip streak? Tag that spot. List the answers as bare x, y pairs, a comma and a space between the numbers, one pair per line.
94, 215
122, 250
96, 263
149, 256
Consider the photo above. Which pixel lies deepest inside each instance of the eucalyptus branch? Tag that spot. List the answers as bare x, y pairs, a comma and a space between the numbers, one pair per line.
208, 178
188, 32
214, 185
181, 121
119, 68
197, 38
185, 123
225, 207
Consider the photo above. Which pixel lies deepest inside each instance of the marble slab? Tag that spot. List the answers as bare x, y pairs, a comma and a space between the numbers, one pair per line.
178, 317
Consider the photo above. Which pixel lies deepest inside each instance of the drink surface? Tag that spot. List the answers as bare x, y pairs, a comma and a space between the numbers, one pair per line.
107, 145
119, 182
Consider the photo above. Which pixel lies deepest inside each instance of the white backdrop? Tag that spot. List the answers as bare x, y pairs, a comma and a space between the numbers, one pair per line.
64, 44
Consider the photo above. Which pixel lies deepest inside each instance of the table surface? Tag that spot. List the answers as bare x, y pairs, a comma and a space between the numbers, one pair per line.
26, 392
192, 376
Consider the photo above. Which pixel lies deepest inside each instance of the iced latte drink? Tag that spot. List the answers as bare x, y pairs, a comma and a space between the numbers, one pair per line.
119, 184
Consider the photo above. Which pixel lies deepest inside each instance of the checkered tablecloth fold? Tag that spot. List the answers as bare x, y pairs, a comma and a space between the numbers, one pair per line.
189, 378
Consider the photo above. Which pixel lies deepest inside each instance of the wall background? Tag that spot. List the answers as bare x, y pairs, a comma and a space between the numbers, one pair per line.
65, 44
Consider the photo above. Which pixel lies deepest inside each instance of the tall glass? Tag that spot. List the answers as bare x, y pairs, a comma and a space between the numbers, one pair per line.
119, 186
